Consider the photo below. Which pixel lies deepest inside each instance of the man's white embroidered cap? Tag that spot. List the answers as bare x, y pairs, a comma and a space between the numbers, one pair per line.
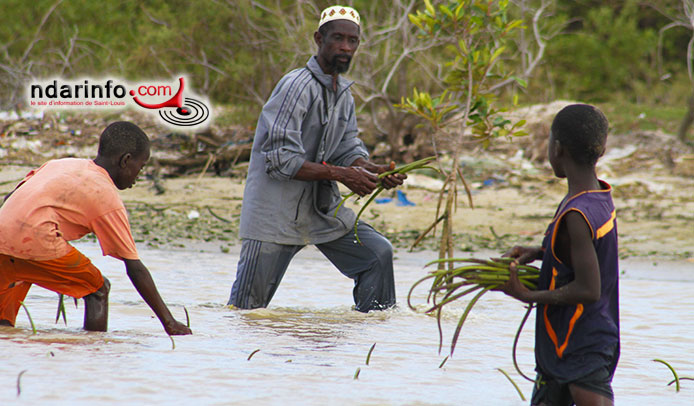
339, 13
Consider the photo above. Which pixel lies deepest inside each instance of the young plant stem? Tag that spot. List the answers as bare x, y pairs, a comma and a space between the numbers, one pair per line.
33, 327
515, 344
61, 309
674, 373
368, 356
420, 164
19, 382
512, 383
252, 354
443, 362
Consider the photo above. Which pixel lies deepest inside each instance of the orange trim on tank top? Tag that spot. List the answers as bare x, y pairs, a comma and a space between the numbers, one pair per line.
579, 307
548, 326
607, 227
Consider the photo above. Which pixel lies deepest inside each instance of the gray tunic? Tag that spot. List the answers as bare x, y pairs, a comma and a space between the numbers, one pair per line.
304, 120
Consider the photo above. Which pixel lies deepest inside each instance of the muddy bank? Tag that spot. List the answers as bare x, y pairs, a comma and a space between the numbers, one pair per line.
655, 218
514, 192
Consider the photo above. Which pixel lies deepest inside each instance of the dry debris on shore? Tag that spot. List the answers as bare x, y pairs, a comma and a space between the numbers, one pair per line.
193, 184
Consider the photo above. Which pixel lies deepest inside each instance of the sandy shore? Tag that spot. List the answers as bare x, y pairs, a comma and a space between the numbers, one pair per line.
513, 189
654, 223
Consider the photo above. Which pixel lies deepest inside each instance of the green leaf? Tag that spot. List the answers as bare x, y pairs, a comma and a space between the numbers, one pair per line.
496, 54
427, 99
416, 21
463, 46
477, 21
430, 8
460, 11
500, 121
513, 24
521, 82
447, 11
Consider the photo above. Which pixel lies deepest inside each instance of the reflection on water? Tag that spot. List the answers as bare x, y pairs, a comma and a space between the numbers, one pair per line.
318, 328
310, 342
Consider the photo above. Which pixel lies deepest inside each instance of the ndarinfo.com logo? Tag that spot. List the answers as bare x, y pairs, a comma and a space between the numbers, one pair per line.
175, 105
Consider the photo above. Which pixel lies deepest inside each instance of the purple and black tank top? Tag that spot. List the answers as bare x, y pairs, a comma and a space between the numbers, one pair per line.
572, 341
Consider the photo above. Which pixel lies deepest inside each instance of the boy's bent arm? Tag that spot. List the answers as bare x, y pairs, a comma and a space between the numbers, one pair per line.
142, 280
524, 255
582, 258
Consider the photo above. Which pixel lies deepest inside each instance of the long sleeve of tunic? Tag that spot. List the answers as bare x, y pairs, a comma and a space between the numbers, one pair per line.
303, 120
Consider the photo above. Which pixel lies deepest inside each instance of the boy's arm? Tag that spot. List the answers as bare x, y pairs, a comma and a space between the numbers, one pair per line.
142, 280
525, 255
585, 288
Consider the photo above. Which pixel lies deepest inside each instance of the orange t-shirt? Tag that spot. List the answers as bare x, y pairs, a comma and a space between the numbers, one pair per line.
61, 201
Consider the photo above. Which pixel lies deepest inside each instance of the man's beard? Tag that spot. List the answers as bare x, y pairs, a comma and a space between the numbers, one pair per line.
340, 66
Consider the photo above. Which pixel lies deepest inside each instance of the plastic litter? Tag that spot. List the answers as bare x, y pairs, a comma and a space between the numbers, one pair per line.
402, 199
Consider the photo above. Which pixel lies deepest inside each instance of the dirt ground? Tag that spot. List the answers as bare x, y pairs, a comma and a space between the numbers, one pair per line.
513, 190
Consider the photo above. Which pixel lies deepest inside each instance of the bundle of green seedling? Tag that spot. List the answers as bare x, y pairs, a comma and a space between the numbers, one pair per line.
422, 164
475, 276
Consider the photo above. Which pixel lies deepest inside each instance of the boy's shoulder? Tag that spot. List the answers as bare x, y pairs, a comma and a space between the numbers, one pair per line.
596, 206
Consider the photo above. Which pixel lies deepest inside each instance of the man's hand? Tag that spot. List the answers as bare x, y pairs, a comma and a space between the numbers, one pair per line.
359, 180
389, 181
361, 177
392, 180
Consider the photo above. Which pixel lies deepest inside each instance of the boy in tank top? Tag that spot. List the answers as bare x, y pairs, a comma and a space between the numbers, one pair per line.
577, 319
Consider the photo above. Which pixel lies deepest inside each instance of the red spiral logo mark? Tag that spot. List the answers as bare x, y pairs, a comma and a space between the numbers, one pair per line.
193, 112
189, 112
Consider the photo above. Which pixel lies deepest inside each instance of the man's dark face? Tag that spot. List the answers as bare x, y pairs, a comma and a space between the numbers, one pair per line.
337, 47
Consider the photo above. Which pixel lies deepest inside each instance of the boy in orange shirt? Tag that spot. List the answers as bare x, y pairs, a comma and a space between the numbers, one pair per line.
62, 201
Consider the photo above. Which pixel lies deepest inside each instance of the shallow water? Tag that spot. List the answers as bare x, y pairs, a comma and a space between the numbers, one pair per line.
311, 343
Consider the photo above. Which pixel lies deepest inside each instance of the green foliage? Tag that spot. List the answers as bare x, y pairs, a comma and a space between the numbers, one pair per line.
474, 36
235, 50
625, 116
607, 55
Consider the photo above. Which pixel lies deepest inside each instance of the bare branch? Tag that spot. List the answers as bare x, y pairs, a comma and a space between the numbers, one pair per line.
152, 19
38, 31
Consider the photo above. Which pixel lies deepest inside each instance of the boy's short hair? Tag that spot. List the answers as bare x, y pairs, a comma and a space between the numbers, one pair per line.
123, 137
582, 129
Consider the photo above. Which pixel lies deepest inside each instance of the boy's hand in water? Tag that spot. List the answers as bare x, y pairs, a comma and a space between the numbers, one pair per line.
177, 329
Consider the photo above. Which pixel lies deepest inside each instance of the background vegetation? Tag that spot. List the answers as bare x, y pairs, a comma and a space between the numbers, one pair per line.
617, 52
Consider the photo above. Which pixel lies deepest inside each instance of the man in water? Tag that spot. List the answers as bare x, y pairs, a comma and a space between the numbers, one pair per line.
305, 142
